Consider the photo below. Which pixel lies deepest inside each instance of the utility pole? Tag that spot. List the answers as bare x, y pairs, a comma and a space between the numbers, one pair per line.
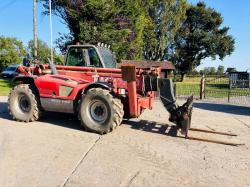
51, 31
34, 29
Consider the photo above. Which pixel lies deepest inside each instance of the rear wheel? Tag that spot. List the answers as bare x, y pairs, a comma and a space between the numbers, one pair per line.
23, 103
99, 111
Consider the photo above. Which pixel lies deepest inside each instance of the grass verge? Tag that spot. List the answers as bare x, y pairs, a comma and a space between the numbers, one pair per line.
5, 87
215, 90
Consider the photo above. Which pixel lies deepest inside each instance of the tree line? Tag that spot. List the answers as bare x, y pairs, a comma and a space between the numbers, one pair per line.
13, 51
220, 70
173, 30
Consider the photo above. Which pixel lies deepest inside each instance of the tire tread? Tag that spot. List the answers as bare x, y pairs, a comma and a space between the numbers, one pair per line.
29, 90
117, 106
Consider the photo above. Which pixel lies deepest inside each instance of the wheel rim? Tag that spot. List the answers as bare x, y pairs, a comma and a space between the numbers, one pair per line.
24, 103
98, 111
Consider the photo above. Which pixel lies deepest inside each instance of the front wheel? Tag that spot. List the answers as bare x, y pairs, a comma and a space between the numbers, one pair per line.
100, 112
23, 103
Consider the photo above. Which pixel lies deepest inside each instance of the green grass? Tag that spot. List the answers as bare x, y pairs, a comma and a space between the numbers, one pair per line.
188, 88
215, 89
5, 87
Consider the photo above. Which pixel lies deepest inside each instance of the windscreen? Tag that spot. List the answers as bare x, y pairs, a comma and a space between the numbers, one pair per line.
108, 58
83, 56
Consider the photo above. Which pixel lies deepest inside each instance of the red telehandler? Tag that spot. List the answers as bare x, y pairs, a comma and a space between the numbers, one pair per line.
90, 85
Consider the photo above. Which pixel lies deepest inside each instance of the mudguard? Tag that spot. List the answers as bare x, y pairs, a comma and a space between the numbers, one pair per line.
24, 79
103, 85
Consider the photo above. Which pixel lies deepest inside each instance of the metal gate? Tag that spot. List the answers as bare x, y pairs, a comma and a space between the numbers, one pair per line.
219, 89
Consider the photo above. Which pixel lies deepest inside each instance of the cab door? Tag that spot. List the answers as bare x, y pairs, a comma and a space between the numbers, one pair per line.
75, 57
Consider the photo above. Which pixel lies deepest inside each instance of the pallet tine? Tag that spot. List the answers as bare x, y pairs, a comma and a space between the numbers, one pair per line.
214, 141
213, 132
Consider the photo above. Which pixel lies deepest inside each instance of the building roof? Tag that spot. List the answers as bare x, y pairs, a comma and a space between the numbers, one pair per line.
239, 72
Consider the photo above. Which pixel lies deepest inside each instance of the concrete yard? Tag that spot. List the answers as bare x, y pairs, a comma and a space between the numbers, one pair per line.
55, 151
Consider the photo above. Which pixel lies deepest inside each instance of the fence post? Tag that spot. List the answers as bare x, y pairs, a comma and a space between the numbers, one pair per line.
175, 90
229, 91
202, 87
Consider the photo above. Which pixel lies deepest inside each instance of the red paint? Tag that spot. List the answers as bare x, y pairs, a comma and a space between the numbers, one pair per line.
132, 96
79, 78
89, 69
48, 86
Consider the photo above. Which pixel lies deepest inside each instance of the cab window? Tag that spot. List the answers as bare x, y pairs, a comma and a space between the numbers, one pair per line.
94, 58
75, 57
83, 56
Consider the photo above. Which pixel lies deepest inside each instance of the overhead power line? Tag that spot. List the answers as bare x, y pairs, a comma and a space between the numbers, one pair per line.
4, 7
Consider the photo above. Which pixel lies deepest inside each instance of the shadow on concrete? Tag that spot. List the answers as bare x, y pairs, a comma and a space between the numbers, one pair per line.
62, 119
59, 119
153, 127
231, 109
4, 110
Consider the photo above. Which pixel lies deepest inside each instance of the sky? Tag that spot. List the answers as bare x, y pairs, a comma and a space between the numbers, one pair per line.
16, 20
236, 14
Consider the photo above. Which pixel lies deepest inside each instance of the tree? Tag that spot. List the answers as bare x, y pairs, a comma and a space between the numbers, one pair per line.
212, 71
201, 72
136, 29
220, 70
58, 59
231, 70
43, 52
209, 71
167, 17
11, 51
194, 72
200, 36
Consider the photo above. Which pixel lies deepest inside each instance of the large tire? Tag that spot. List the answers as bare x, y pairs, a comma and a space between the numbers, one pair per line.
100, 112
24, 104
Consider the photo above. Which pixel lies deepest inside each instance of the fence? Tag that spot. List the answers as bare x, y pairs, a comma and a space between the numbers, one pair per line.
216, 89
